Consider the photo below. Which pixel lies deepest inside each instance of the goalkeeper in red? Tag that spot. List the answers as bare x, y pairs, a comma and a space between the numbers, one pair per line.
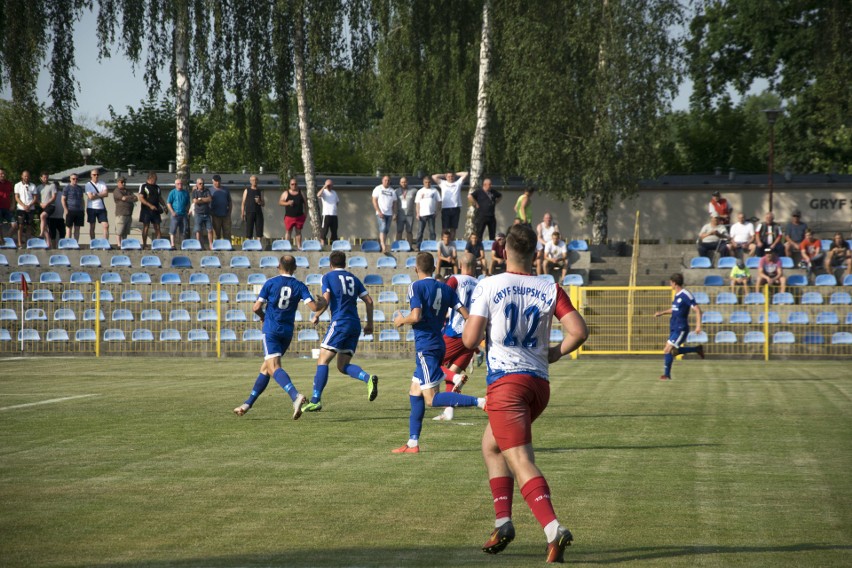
514, 311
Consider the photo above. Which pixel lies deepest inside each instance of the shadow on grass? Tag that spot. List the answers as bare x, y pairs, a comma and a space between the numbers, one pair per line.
657, 447
659, 552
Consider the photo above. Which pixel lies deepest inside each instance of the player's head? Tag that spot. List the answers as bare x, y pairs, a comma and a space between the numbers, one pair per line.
676, 279
337, 259
425, 264
287, 264
467, 263
520, 243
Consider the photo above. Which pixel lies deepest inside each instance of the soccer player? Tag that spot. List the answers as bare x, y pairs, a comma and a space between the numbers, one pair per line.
514, 310
281, 294
682, 304
457, 357
429, 301
341, 290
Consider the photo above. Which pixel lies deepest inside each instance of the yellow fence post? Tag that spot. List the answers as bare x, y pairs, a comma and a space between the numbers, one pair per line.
218, 320
574, 294
766, 322
97, 318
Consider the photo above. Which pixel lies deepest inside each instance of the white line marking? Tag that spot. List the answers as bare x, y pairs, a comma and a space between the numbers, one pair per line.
49, 401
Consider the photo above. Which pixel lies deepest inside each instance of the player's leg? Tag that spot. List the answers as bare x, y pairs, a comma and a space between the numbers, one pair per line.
343, 338
260, 385
415, 418
320, 380
274, 347
669, 352
502, 484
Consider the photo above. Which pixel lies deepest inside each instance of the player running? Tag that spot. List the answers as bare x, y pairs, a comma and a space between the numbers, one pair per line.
281, 294
514, 310
682, 304
341, 290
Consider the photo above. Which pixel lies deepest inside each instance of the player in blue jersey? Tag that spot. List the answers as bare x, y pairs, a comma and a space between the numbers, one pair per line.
341, 290
682, 304
281, 295
429, 301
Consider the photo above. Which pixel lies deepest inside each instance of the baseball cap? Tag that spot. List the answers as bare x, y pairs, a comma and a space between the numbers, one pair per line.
217, 177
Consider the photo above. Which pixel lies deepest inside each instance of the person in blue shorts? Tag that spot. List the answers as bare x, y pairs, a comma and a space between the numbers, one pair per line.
281, 294
341, 290
429, 301
682, 304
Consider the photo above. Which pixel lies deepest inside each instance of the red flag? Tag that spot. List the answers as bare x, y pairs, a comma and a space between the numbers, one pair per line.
24, 285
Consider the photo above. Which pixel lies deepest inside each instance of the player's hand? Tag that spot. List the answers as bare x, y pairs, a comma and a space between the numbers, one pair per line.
315, 320
397, 321
656, 314
368, 329
554, 354
698, 328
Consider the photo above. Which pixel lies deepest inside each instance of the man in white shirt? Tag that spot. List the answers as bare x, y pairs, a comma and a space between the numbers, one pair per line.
556, 255
425, 206
450, 199
384, 202
329, 200
25, 196
96, 191
742, 237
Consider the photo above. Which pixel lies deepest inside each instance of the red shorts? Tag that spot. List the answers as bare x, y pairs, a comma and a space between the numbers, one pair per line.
298, 222
456, 353
513, 403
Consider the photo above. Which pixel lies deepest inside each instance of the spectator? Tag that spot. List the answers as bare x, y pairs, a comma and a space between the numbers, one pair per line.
405, 210
450, 199
124, 202
295, 209
385, 205
769, 271
769, 235
498, 254
740, 276
152, 206
329, 200
556, 255
447, 255
47, 199
485, 201
544, 232
720, 206
74, 207
7, 213
811, 250
838, 255
201, 200
712, 238
425, 207
794, 234
55, 215
523, 207
220, 209
474, 248
96, 191
251, 209
25, 196
178, 204
742, 237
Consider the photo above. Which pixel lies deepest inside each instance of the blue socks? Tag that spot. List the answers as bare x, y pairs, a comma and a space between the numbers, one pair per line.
356, 372
415, 420
320, 380
283, 379
259, 387
683, 350
667, 369
453, 399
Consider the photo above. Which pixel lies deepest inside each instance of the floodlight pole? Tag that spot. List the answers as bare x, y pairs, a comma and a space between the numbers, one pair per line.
771, 116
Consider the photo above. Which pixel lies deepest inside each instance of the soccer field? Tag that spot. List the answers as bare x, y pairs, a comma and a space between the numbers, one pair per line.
140, 462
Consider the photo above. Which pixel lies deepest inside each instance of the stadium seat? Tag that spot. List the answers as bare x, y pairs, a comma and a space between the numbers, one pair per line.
374, 280
787, 262
64, 314
206, 315
573, 280
227, 335
5, 335
378, 316
80, 278
460, 245
85, 335
371, 246
725, 337
754, 337
811, 298
782, 298
106, 296
15, 277
90, 261
313, 279
388, 297
797, 280
401, 279
252, 335
556, 335
57, 260
170, 335
308, 335
825, 280
798, 318
68, 244
170, 278
701, 298
386, 262
847, 280
189, 296
700, 262
302, 262
365, 338
210, 262
714, 280
256, 279
179, 315
49, 278
409, 335
783, 337
840, 299
180, 262
142, 334
429, 246
190, 244
28, 260
8, 243
120, 261
389, 335
212, 298
150, 261
151, 315
222, 245
324, 262
197, 335
8, 314
43, 296
356, 262
5, 262
825, 244
252, 245
240, 262
754, 298
27, 334
15, 295
100, 244
161, 296
400, 246
228, 278
122, 315
311, 245
140, 278
198, 278
236, 315
711, 317
841, 338
697, 337
161, 244
89, 315
72, 295
131, 244
827, 318
246, 297
111, 278
281, 245
726, 262
726, 298
849, 318
752, 262
578, 245
35, 314
268, 262
36, 243
486, 244
131, 296
57, 335
114, 335
740, 317
547, 278
410, 261
341, 245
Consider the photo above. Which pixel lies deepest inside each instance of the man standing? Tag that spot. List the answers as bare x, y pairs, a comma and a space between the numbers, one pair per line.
220, 208
74, 207
152, 206
405, 211
25, 196
7, 212
96, 212
485, 201
295, 212
720, 206
51, 198
201, 200
124, 202
425, 206
178, 204
47, 199
385, 204
252, 209
330, 201
514, 312
523, 206
682, 304
450, 199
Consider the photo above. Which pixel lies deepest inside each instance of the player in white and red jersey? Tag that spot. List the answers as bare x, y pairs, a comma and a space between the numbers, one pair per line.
514, 310
457, 357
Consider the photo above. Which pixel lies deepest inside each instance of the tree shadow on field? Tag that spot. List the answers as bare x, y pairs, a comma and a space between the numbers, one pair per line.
656, 447
579, 556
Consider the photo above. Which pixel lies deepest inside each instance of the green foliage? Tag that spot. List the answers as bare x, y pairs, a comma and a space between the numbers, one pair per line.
31, 140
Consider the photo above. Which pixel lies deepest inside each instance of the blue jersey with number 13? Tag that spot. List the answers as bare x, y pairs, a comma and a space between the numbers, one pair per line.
345, 289
282, 295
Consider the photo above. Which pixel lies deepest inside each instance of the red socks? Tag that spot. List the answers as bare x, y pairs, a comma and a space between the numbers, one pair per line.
537, 495
501, 490
448, 378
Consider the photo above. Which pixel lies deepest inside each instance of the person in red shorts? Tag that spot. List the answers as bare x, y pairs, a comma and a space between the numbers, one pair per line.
516, 310
295, 205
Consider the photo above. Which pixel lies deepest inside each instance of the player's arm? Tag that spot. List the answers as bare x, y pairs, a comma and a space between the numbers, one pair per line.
462, 176
574, 333
368, 304
327, 296
473, 331
316, 305
664, 312
258, 309
697, 311
411, 318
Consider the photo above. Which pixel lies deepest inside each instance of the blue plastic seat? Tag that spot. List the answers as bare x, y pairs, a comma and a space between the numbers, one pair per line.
388, 297
212, 298
151, 315
386, 262
227, 335
313, 279
180, 262
240, 262
374, 280
210, 262
142, 334
754, 337
120, 261
783, 337
701, 298
578, 245
90, 261
72, 295
179, 315
8, 243
401, 279
797, 280
256, 279
222, 245
697, 337
28, 260
15, 277
252, 335
752, 262
5, 262
847, 280
36, 243
35, 314
811, 298
85, 335
268, 262
281, 245
840, 299
311, 245
371, 246
411, 261
825, 280
111, 278
378, 316
189, 296
235, 315
64, 314
429, 246
28, 334
131, 244
150, 261
161, 296
80, 278
228, 278
573, 280
324, 262
798, 318
726, 298
68, 244
841, 338
57, 335
726, 262
782, 298
131, 296
140, 278
100, 244
713, 280
700, 262
400, 246
341, 245
827, 318
849, 318
190, 244
114, 335
106, 296
547, 278
773, 317
161, 244
389, 335
740, 317
5, 335
89, 315
58, 260
460, 244
170, 278
197, 335
206, 315
409, 335
787, 262
556, 335
43, 296
170, 335
122, 315
356, 262
245, 297
711, 317
49, 278
308, 335
302, 262
8, 314
725, 337
754, 298
252, 245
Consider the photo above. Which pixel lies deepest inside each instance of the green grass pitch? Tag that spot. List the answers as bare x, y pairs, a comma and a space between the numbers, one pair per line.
733, 463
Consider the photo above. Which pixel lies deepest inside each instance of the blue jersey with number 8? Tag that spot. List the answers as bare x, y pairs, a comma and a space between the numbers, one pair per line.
282, 295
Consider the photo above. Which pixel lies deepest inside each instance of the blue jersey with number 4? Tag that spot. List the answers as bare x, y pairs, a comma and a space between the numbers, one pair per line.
434, 299
282, 295
345, 289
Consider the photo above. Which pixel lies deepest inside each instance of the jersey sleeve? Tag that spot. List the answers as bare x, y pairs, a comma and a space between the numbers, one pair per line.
413, 298
563, 304
479, 302
453, 283
360, 290
325, 285
264, 291
305, 294
455, 303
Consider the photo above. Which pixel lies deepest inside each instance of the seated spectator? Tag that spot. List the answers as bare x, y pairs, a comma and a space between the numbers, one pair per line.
447, 256
720, 206
742, 237
475, 248
712, 238
769, 271
811, 250
794, 234
740, 276
838, 255
498, 254
556, 255
544, 231
769, 235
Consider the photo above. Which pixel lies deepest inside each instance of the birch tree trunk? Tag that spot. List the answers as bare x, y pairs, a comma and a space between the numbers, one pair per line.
477, 154
182, 100
600, 209
304, 122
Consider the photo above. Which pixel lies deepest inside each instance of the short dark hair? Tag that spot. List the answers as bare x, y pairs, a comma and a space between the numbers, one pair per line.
44, 173
425, 263
446, 232
151, 175
287, 263
522, 240
122, 179
337, 259
677, 278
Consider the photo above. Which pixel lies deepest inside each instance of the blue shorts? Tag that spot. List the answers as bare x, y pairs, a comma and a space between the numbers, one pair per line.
96, 215
427, 369
383, 222
275, 345
342, 336
202, 223
678, 338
